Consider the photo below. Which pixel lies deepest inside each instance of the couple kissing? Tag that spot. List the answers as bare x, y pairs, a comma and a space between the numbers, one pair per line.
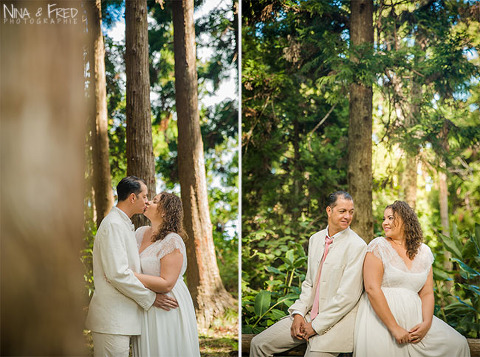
140, 295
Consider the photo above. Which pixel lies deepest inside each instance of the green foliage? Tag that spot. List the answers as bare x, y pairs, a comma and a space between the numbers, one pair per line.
223, 203
461, 307
425, 106
112, 11
297, 63
221, 25
262, 308
116, 108
227, 260
428, 81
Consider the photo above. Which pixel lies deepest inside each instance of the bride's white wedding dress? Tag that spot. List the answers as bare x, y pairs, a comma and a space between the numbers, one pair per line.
167, 333
400, 286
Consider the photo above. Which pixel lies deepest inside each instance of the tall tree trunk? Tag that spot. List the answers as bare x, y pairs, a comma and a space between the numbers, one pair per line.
140, 159
236, 28
101, 166
407, 116
410, 174
410, 170
42, 140
410, 180
297, 183
89, 65
209, 295
443, 202
360, 126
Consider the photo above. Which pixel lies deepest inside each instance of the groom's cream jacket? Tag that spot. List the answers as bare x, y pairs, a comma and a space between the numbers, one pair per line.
116, 306
341, 284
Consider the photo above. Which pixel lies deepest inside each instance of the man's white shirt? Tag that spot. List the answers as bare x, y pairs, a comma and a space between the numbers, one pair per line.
116, 305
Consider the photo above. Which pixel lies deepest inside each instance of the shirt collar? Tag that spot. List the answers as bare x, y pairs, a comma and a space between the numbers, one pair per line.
124, 216
338, 233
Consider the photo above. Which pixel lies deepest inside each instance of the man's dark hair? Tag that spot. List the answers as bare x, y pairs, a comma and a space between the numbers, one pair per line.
128, 185
333, 197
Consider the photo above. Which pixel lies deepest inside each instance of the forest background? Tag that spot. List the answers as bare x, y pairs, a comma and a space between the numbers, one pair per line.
304, 71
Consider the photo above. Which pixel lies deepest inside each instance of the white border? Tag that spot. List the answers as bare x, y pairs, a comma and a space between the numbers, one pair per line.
239, 38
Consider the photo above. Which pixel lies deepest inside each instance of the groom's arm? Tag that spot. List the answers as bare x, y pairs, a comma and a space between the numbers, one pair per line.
301, 305
113, 255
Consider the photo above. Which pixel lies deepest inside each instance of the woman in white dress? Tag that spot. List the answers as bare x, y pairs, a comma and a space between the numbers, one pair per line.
395, 316
171, 333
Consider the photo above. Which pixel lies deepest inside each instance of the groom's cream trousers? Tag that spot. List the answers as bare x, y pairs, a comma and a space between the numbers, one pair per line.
107, 345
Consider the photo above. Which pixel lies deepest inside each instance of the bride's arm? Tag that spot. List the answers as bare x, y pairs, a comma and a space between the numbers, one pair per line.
171, 265
418, 332
372, 277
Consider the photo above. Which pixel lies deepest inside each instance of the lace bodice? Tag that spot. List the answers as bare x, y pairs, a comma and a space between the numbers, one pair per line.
150, 257
395, 272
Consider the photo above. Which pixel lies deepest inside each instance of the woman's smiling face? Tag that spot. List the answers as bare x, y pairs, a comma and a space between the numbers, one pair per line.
393, 227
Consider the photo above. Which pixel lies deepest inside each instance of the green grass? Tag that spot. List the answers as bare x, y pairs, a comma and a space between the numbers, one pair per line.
221, 340
218, 346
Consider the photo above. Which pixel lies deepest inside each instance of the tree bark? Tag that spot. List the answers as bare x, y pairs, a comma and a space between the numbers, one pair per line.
443, 202
101, 165
410, 180
360, 127
297, 183
42, 138
208, 293
140, 159
410, 172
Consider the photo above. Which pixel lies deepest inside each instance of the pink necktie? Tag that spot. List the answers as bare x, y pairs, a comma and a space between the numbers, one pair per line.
314, 311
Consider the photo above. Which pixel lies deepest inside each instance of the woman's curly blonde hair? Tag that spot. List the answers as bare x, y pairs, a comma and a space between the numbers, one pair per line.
172, 209
411, 227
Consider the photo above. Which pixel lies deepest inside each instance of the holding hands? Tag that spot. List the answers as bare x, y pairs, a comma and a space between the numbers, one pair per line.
165, 302
298, 327
414, 335
308, 331
301, 329
401, 335
418, 332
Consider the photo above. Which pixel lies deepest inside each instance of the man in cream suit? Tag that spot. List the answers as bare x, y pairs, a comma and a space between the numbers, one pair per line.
115, 310
324, 314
